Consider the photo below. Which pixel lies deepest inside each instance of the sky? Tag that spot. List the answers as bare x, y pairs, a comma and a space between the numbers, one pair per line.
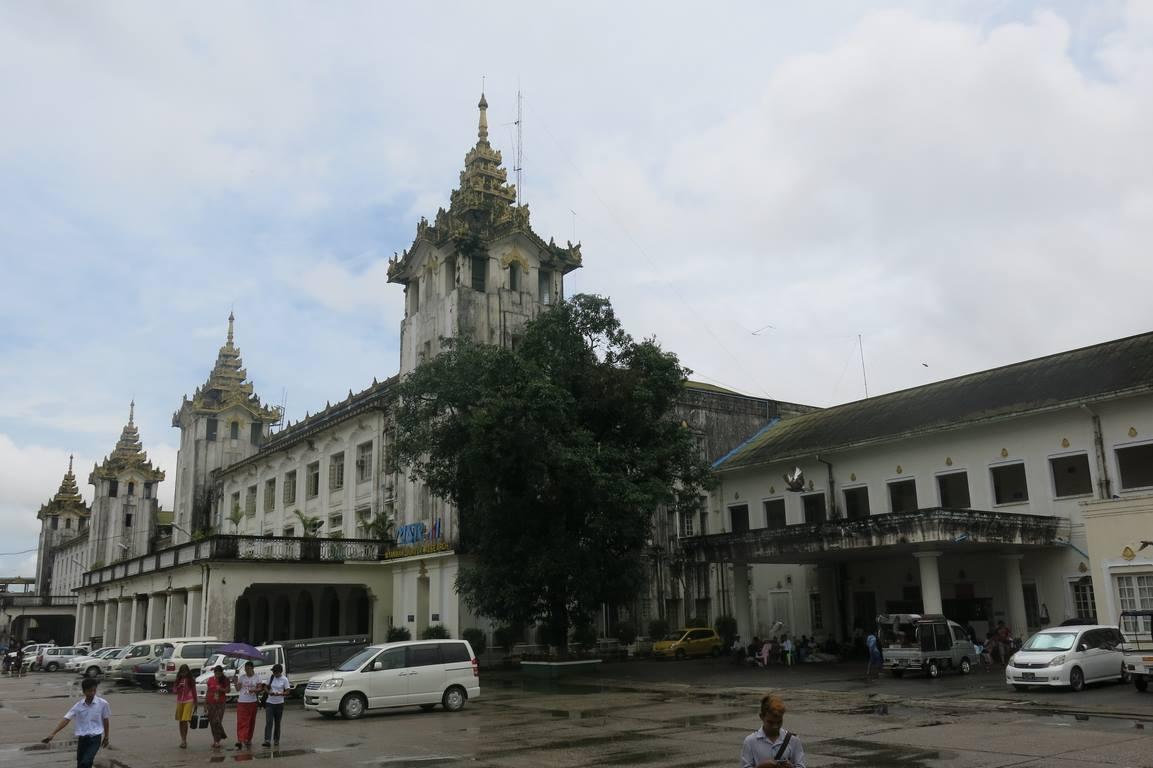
960, 185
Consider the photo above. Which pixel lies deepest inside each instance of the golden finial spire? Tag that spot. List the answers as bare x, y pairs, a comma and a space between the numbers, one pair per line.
482, 129
70, 462
132, 410
231, 320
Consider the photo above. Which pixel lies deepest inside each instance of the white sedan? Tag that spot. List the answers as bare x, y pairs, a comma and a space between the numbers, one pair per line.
90, 665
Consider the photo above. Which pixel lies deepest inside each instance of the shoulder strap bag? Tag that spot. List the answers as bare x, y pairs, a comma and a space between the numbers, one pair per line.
784, 745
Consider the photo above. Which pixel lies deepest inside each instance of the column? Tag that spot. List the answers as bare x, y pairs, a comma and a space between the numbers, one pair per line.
124, 621
109, 622
830, 610
931, 582
177, 603
157, 610
96, 623
81, 616
133, 619
1015, 593
346, 611
139, 618
741, 611
166, 626
194, 610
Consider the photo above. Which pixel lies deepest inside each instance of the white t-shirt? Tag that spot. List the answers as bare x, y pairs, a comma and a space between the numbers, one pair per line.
248, 686
88, 719
277, 686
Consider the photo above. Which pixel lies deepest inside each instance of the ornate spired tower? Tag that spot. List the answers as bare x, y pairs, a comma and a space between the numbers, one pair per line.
63, 517
222, 423
124, 506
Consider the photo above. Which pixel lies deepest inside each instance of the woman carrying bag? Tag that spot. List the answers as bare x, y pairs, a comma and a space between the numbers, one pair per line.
275, 689
248, 684
185, 690
214, 701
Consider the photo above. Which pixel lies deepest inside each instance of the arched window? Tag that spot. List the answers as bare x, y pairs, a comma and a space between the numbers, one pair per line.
234, 430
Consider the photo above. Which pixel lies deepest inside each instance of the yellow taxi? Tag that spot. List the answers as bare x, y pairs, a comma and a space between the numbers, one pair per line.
691, 641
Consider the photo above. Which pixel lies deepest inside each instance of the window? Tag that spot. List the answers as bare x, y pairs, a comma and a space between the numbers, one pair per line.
55, 523
270, 494
363, 462
514, 276
268, 534
114, 488
336, 471
290, 487
1136, 466
816, 619
234, 430
954, 490
739, 518
814, 506
131, 488
424, 655
686, 523
775, 514
313, 482
704, 529
903, 496
127, 519
1071, 476
1084, 602
452, 653
449, 275
413, 296
148, 490
250, 500
1135, 593
255, 433
1009, 485
544, 286
479, 268
67, 522
235, 502
857, 503
210, 430
289, 531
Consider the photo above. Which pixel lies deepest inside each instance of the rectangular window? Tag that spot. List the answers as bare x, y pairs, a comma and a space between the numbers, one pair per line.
235, 502
336, 471
449, 275
479, 269
1071, 475
68, 522
1009, 484
412, 291
234, 430
816, 619
686, 523
55, 523
127, 519
289, 531
857, 503
363, 462
739, 518
903, 496
131, 488
514, 276
1136, 466
210, 430
954, 490
250, 500
775, 514
313, 480
113, 488
544, 286
814, 505
255, 433
1084, 601
1136, 594
148, 490
270, 494
704, 529
290, 487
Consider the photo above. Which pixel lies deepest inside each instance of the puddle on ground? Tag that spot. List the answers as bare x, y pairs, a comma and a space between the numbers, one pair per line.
1102, 722
274, 754
419, 762
867, 753
54, 746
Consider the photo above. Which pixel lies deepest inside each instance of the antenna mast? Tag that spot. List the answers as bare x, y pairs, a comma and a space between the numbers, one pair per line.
864, 376
519, 146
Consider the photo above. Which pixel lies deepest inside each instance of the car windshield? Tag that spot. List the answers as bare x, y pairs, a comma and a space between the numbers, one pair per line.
675, 635
358, 661
1050, 641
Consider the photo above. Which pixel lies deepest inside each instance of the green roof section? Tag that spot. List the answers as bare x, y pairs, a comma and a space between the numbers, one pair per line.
1106, 371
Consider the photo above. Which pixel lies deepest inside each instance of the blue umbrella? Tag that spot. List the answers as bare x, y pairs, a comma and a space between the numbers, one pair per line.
241, 651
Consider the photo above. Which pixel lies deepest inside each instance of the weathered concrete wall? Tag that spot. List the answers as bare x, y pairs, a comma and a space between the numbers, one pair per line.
1118, 532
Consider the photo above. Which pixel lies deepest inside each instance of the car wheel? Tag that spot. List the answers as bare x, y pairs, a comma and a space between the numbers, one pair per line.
1076, 679
52, 667
454, 699
92, 672
680, 654
352, 706
934, 670
966, 667
428, 707
1141, 683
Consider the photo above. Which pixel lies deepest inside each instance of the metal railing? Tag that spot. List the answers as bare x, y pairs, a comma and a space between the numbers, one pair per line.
37, 601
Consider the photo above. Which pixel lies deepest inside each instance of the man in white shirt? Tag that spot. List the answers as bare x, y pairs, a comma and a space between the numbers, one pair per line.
90, 715
771, 746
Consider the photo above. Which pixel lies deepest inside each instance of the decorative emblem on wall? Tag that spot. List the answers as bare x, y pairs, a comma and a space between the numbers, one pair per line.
899, 470
795, 480
737, 495
1082, 568
810, 485
948, 461
1064, 442
772, 489
1128, 553
1132, 431
1004, 453
853, 477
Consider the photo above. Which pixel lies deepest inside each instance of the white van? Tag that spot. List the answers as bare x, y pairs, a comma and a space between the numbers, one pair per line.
142, 651
191, 652
1068, 656
420, 673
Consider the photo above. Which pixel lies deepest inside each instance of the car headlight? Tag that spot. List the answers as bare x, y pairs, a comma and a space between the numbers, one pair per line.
335, 682
1057, 661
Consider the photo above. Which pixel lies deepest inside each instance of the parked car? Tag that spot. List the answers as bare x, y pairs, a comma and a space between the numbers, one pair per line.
1139, 650
301, 659
89, 665
141, 651
191, 652
931, 644
53, 659
32, 654
420, 673
1068, 656
144, 673
691, 641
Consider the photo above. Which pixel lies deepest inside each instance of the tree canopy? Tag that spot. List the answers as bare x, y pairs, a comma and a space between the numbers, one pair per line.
555, 454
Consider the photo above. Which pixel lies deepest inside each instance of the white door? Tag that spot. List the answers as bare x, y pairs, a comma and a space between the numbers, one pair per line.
387, 679
425, 674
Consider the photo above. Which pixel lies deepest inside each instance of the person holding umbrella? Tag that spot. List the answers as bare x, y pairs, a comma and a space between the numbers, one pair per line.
248, 684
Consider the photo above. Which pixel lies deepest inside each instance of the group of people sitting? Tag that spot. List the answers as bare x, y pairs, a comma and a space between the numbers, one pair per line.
780, 649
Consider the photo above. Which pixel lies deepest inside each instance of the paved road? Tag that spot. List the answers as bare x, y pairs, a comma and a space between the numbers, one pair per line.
691, 714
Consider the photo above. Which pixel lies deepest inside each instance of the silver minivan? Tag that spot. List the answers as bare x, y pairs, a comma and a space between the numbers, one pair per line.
1068, 656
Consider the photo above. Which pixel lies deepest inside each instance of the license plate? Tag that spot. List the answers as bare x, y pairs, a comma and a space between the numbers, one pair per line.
903, 662
1028, 676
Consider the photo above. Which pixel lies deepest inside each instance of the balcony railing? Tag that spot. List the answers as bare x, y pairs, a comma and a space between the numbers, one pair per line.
37, 601
276, 549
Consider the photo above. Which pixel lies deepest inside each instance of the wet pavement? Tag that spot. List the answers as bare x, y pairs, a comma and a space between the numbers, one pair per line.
636, 714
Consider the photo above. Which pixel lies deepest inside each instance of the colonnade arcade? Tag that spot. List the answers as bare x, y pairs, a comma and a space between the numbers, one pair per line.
267, 612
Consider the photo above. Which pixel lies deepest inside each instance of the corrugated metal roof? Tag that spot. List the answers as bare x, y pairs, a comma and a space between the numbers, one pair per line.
1100, 372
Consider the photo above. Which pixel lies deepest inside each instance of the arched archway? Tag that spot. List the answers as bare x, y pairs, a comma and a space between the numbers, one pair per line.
260, 621
243, 616
304, 616
363, 611
330, 613
281, 619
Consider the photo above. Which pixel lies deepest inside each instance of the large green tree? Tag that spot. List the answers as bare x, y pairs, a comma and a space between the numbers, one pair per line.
555, 453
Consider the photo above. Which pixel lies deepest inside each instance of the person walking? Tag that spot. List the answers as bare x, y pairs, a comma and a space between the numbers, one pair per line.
873, 648
185, 690
248, 684
771, 746
90, 716
18, 663
214, 700
277, 686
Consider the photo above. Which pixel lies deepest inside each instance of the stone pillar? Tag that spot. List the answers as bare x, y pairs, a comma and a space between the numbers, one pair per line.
741, 609
139, 618
124, 621
177, 603
347, 611
195, 613
1015, 594
96, 624
930, 582
81, 617
319, 609
830, 610
110, 622
157, 612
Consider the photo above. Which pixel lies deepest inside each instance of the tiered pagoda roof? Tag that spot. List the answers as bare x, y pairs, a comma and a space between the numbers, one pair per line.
482, 209
67, 499
127, 455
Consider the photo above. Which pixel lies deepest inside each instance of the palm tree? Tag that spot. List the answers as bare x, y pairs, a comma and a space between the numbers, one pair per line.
309, 525
235, 517
382, 527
